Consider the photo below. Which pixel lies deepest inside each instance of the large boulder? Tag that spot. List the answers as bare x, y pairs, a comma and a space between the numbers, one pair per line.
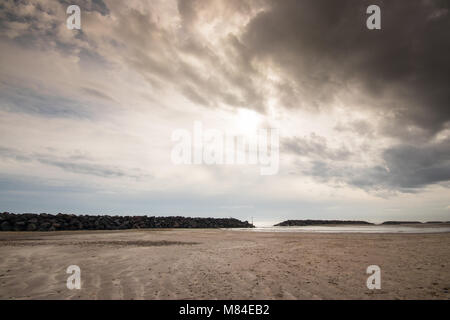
6, 226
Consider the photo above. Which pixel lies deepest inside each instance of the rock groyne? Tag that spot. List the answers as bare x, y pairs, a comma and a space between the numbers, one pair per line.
49, 222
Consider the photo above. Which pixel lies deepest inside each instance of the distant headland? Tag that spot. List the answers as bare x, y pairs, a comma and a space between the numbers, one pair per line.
291, 223
299, 223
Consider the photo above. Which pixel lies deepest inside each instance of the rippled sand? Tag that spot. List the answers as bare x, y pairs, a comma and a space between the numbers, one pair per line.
223, 264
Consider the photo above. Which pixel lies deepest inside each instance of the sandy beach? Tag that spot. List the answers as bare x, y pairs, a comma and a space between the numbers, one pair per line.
222, 264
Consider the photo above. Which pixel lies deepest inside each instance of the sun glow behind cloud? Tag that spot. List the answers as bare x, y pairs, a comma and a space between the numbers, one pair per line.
247, 122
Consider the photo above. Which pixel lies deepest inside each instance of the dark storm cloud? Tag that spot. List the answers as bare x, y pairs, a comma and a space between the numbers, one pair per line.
415, 166
324, 47
407, 168
401, 73
315, 146
320, 48
324, 53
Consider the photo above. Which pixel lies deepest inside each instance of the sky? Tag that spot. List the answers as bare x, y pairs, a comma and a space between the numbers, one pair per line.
87, 116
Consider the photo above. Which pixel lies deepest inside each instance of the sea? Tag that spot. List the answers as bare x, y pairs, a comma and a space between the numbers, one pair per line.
351, 229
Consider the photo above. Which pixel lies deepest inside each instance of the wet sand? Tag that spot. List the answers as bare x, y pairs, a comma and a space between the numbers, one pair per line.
222, 264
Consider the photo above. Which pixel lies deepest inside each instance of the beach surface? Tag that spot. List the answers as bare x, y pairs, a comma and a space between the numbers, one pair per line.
223, 264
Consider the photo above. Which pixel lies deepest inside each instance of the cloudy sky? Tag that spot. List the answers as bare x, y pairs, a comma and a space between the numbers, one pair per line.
87, 116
